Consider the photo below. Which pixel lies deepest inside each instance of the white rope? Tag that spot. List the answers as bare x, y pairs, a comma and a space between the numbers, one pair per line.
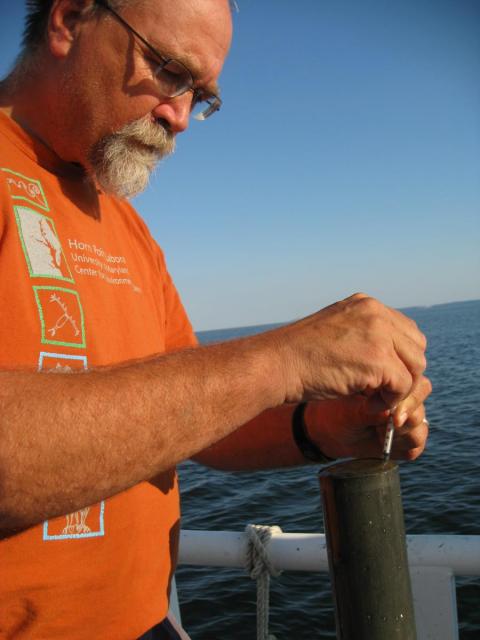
260, 568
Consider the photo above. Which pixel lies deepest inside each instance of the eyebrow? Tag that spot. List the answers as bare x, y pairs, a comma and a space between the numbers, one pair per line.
188, 61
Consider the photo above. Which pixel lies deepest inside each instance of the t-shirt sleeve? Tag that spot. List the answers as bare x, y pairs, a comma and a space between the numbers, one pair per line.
179, 332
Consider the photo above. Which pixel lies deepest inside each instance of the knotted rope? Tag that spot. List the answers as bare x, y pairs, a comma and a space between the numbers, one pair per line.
260, 568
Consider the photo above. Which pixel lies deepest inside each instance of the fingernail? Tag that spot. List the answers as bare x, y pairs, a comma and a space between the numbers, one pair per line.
391, 411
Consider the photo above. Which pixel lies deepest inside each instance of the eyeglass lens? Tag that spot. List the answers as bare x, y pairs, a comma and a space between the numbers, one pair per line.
174, 78
203, 109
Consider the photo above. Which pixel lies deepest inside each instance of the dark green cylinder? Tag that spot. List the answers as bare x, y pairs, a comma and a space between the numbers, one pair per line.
367, 553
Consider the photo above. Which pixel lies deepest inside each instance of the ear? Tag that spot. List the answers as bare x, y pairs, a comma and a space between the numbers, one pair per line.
66, 17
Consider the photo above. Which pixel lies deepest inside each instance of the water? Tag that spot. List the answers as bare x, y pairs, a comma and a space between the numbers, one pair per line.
441, 494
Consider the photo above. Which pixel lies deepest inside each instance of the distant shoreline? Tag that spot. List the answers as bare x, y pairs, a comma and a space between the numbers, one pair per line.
207, 335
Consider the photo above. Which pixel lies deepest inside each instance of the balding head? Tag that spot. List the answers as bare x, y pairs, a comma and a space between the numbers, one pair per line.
38, 13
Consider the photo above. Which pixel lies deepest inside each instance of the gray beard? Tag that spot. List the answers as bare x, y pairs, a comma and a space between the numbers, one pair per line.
122, 162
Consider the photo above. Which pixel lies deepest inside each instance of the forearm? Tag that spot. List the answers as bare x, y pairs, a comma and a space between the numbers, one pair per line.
345, 427
83, 437
265, 442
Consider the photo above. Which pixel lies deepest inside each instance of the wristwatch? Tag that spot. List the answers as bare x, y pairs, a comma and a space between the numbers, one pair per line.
307, 447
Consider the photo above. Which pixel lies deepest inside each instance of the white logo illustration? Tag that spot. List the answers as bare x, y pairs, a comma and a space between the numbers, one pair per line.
76, 522
63, 319
31, 188
42, 247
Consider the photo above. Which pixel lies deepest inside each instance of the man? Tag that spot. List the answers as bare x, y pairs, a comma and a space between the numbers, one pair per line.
88, 492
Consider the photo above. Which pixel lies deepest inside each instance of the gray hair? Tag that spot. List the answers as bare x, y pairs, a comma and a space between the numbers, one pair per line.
34, 35
38, 12
35, 31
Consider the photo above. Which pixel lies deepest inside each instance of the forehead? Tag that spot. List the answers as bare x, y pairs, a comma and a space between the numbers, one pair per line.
196, 32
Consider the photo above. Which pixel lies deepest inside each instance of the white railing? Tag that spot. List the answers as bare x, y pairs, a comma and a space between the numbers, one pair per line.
434, 562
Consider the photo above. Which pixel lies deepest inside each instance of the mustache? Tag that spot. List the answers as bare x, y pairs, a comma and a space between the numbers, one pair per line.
122, 161
152, 134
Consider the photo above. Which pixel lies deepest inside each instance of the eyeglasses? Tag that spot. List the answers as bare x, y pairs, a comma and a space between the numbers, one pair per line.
174, 78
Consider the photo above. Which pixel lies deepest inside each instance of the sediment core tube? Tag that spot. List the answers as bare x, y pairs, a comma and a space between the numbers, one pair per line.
367, 553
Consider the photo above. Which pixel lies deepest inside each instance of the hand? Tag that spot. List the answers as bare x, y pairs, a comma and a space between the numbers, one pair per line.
354, 427
355, 346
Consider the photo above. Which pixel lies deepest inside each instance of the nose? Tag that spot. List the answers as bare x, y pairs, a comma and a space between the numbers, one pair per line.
175, 111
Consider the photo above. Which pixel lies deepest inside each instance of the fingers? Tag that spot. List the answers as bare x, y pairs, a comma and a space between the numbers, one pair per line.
397, 384
412, 354
405, 363
355, 346
409, 328
410, 440
406, 374
409, 344
411, 408
411, 432
412, 426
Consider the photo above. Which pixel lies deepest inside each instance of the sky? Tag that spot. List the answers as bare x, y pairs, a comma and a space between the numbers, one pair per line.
346, 158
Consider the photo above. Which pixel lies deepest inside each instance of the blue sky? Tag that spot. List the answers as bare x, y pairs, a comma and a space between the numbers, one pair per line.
346, 158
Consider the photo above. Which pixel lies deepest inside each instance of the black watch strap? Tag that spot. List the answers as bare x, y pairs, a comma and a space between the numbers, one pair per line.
307, 447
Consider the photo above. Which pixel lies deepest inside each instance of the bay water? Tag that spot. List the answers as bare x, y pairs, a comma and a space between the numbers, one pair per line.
441, 494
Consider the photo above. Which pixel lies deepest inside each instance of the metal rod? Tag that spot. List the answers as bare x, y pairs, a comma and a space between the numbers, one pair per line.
366, 551
387, 447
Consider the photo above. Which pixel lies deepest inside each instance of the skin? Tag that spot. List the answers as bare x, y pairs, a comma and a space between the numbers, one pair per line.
88, 91
355, 360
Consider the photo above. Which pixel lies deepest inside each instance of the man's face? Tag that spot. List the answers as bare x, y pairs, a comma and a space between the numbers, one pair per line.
122, 123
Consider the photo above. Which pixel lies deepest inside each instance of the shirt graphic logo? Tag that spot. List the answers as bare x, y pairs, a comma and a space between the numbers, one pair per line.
61, 362
61, 316
41, 246
77, 523
26, 189
85, 523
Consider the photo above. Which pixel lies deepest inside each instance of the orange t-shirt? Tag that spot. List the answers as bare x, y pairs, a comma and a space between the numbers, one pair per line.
83, 284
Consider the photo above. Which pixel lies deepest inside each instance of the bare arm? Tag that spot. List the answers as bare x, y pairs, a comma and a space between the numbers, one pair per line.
346, 427
262, 443
84, 437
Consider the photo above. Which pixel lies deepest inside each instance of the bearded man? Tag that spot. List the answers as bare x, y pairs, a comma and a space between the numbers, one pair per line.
89, 508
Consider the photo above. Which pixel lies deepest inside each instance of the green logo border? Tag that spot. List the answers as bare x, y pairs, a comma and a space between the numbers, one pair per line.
44, 339
45, 206
25, 250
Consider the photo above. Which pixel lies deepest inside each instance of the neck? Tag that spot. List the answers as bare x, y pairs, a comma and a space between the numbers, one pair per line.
33, 99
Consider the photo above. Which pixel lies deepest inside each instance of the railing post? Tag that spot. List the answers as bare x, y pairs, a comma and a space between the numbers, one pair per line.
367, 551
